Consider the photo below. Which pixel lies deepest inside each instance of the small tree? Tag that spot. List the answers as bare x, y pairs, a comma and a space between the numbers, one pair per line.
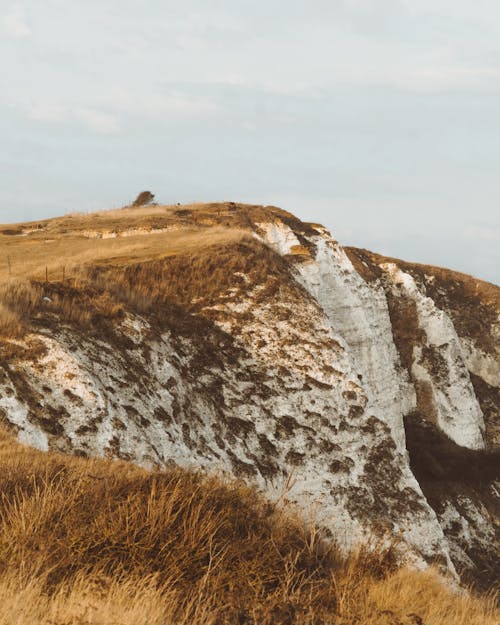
144, 197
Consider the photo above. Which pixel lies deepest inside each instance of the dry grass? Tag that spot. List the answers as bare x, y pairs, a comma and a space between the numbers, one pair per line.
89, 279
107, 220
190, 253
197, 269
227, 214
193, 279
87, 541
18, 301
27, 248
28, 258
10, 324
100, 542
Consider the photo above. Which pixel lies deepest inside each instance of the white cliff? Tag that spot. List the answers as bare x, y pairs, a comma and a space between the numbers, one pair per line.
294, 383
439, 365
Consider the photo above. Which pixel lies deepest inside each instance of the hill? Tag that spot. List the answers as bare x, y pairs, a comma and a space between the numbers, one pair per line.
239, 339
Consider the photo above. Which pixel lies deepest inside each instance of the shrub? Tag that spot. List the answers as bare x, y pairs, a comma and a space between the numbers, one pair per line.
144, 197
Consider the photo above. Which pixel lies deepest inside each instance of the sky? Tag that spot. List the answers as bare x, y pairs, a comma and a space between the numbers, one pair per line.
377, 118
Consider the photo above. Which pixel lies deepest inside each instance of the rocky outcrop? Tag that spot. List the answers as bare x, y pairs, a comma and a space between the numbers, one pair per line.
297, 372
446, 327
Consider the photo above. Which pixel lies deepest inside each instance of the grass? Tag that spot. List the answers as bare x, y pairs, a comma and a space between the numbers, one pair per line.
192, 279
90, 278
29, 257
227, 214
104, 220
190, 253
26, 249
88, 541
186, 268
59, 267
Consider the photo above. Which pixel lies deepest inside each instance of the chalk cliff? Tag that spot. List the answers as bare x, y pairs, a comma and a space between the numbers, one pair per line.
364, 388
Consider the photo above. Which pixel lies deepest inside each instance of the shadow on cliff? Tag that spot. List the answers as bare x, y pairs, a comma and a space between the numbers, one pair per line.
436, 458
465, 479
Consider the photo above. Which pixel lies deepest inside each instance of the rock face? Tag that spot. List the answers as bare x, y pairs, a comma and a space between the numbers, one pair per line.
363, 388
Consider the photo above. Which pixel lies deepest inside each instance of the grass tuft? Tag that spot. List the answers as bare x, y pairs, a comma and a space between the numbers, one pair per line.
97, 541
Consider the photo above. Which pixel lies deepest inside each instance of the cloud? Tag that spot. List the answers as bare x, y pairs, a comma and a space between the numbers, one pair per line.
165, 102
14, 23
50, 113
449, 78
481, 233
374, 116
98, 121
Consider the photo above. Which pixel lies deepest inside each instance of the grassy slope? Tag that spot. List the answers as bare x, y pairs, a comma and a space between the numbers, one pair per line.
27, 249
97, 541
90, 277
55, 248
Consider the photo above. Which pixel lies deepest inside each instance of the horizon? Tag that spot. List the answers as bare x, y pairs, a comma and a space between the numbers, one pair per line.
377, 119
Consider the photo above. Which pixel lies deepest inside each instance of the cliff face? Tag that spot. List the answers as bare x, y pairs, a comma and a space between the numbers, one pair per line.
365, 388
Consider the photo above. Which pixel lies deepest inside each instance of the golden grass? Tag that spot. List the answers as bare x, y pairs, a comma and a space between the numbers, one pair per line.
78, 293
28, 258
18, 300
151, 216
10, 323
87, 278
192, 279
26, 249
103, 219
140, 212
91, 541
197, 269
86, 541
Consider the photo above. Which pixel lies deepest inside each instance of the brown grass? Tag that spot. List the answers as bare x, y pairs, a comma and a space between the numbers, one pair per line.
192, 279
94, 541
18, 301
28, 257
106, 220
27, 248
195, 274
99, 273
225, 214
88, 279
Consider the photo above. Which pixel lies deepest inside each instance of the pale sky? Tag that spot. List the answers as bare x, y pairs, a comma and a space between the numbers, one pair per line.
378, 118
